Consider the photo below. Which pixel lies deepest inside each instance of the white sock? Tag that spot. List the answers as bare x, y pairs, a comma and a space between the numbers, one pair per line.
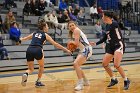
81, 80
26, 74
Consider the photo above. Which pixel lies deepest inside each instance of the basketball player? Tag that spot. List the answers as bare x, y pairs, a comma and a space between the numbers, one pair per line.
35, 51
114, 49
85, 52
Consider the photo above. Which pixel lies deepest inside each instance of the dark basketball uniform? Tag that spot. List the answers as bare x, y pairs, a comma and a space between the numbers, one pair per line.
34, 50
113, 38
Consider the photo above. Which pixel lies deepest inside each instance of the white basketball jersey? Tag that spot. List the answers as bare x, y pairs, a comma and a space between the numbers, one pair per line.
83, 40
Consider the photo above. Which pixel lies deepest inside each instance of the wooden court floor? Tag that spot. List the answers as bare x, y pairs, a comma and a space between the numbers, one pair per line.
64, 81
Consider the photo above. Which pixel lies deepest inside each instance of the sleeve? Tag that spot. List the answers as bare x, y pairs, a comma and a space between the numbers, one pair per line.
102, 40
60, 6
115, 24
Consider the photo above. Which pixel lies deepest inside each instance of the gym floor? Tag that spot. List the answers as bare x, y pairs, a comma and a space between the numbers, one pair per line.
63, 80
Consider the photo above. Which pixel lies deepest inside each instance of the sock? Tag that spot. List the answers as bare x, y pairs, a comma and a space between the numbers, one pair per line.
26, 73
125, 79
38, 80
81, 80
113, 77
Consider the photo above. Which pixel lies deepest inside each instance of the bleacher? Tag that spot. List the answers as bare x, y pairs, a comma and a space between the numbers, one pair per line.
53, 56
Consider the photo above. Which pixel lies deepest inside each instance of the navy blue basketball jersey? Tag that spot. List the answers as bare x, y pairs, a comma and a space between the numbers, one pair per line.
114, 34
38, 39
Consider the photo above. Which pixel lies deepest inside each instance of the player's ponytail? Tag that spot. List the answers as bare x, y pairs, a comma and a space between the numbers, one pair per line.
41, 24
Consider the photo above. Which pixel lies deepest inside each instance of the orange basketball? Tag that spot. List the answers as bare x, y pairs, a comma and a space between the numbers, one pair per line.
71, 46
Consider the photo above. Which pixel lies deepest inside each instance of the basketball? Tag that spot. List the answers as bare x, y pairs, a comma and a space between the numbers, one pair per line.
71, 46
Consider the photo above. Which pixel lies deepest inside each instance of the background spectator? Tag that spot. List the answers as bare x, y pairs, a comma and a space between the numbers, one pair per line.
70, 3
60, 18
98, 29
15, 33
27, 8
54, 20
129, 6
81, 17
10, 4
2, 29
70, 13
8, 19
66, 16
40, 10
62, 5
3, 50
47, 20
100, 12
62, 21
70, 9
33, 6
76, 10
94, 13
48, 3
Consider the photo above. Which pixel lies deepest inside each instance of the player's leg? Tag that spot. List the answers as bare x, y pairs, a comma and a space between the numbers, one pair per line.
81, 59
87, 53
117, 61
106, 60
28, 71
77, 63
86, 81
30, 63
40, 60
40, 72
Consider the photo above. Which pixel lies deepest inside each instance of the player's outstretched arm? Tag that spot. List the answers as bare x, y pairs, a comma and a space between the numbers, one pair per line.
102, 40
26, 37
57, 44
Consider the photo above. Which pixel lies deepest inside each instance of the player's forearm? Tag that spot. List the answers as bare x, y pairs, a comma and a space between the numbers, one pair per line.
60, 47
24, 38
102, 40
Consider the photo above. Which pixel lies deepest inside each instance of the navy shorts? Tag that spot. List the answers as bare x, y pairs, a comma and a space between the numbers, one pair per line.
34, 52
120, 47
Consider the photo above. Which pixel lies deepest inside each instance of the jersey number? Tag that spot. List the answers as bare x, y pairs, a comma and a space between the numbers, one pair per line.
108, 37
38, 35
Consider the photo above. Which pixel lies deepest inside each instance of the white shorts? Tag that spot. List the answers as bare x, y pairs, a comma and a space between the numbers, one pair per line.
87, 51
